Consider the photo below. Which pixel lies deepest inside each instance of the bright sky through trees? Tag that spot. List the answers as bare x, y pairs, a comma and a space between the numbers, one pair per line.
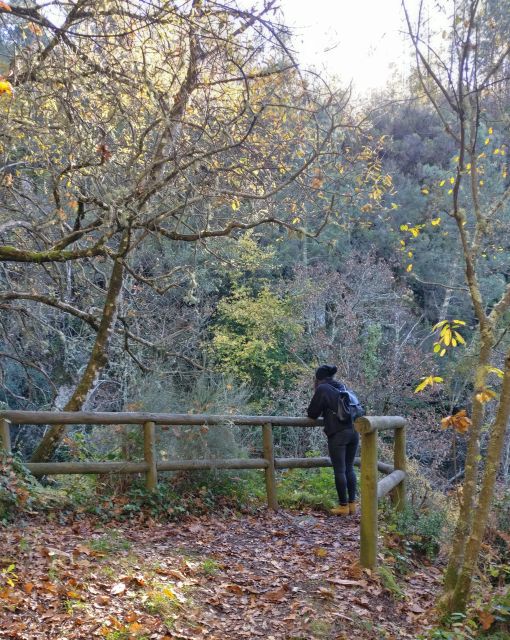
358, 40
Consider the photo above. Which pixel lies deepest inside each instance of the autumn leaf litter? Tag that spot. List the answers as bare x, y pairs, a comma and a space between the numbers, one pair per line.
275, 576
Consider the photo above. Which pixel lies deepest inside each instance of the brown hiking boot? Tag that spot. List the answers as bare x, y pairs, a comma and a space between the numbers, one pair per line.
341, 510
353, 508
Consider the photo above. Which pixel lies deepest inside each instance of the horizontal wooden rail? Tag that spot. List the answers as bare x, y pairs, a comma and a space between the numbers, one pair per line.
388, 483
89, 417
64, 468
369, 424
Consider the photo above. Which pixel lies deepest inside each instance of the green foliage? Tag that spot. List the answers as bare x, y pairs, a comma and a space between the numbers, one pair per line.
183, 494
389, 582
414, 531
110, 542
370, 354
210, 567
491, 623
307, 488
254, 338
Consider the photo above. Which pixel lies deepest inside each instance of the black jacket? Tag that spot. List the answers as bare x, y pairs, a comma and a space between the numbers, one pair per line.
325, 402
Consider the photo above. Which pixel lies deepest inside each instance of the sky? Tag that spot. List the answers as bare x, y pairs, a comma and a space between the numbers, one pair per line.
357, 40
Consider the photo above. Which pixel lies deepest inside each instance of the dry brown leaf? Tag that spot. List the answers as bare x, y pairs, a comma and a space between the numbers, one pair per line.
486, 618
277, 595
81, 548
118, 588
234, 588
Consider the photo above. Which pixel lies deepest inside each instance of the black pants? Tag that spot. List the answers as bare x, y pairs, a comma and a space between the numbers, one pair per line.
342, 449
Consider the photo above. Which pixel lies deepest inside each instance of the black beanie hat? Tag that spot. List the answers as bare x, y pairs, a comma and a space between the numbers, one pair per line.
325, 371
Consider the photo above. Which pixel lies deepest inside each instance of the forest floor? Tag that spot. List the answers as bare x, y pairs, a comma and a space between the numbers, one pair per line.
290, 575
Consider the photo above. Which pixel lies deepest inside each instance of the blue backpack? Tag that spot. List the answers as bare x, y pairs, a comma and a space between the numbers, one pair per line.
349, 407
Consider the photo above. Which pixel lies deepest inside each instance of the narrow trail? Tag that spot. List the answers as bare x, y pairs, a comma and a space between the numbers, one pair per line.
290, 575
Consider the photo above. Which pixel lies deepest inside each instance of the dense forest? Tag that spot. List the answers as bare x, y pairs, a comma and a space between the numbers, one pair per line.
191, 222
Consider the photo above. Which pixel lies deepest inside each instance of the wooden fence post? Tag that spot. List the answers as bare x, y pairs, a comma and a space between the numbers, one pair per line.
5, 436
267, 435
368, 490
149, 447
398, 495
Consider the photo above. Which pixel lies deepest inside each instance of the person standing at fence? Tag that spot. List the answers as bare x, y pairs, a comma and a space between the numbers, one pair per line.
343, 439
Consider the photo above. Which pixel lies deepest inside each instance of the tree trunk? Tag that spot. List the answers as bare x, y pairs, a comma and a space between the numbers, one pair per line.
463, 586
465, 520
97, 361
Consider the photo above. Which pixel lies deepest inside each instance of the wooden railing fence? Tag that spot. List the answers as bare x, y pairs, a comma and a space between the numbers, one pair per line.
371, 490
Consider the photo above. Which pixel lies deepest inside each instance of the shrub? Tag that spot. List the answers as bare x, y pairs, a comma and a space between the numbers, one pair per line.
415, 530
15, 486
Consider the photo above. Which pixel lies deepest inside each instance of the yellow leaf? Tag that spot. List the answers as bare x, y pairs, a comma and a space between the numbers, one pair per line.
496, 152
235, 204
169, 593
486, 395
487, 140
450, 191
435, 222
462, 322
490, 130
5, 87
296, 220
481, 183
404, 227
495, 370
427, 381
459, 338
442, 352
439, 324
403, 243
394, 206
410, 254
425, 191
409, 268
452, 180
441, 184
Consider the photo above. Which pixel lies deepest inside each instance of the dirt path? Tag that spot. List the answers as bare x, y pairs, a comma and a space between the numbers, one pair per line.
290, 576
